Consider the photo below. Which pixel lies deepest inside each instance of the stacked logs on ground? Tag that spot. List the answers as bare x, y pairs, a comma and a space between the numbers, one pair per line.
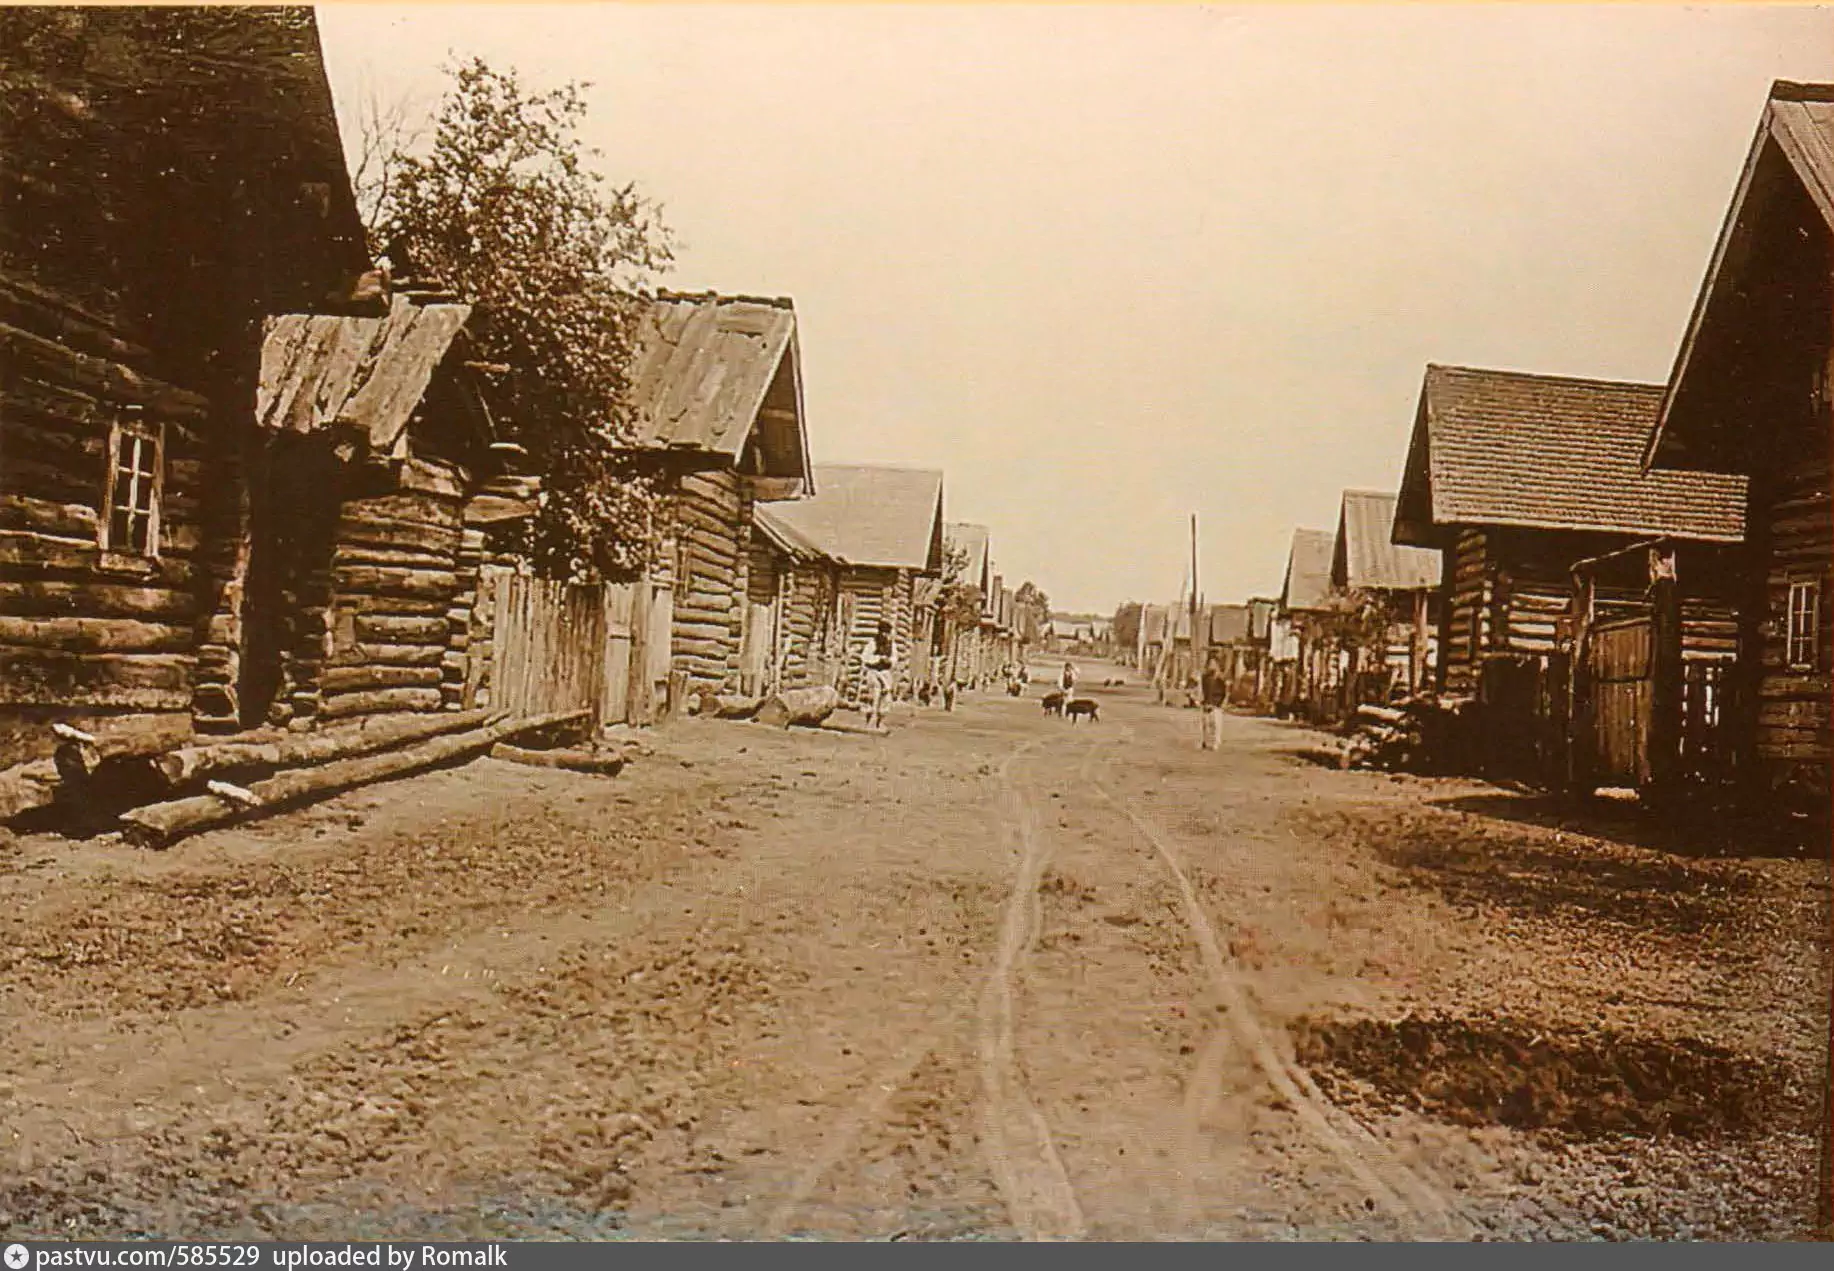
805, 706
1418, 734
161, 824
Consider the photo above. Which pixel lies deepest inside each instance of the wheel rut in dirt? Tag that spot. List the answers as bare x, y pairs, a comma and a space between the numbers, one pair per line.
1021, 1153
1410, 1199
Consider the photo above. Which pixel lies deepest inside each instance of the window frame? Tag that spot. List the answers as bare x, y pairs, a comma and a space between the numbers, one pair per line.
1808, 640
133, 424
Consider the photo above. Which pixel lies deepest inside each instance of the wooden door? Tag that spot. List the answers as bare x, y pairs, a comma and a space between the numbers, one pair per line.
1621, 659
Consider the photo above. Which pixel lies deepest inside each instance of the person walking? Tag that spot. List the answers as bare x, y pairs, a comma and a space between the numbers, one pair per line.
1215, 688
1067, 681
877, 661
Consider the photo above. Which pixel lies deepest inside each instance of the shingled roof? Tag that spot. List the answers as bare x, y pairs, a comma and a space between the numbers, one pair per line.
711, 369
1550, 452
1365, 555
1794, 146
866, 515
1308, 572
364, 373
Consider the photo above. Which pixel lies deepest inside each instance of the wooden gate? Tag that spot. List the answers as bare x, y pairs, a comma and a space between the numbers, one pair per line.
571, 646
548, 645
1621, 660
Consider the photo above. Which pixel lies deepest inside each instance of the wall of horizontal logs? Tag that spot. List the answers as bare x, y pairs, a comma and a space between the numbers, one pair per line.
711, 516
105, 638
400, 617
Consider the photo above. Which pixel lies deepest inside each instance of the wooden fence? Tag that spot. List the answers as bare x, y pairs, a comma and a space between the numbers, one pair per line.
569, 646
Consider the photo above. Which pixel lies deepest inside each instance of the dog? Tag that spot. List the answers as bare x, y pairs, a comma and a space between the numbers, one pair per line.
1053, 703
1015, 689
1083, 706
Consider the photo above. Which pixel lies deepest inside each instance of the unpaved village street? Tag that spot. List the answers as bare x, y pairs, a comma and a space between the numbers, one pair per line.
994, 975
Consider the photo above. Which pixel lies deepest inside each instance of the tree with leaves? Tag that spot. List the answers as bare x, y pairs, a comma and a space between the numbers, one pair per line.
502, 207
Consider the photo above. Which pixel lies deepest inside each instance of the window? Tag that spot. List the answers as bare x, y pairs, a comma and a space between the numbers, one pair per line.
136, 464
1804, 635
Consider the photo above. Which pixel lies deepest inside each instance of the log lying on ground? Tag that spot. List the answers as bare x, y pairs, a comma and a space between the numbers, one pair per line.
161, 824
26, 787
806, 706
573, 760
180, 767
1382, 714
728, 706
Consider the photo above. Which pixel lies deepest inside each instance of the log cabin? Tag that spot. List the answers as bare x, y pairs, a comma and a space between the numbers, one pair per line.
1400, 582
716, 397
882, 529
966, 548
170, 178
811, 648
1307, 605
1752, 392
356, 599
1517, 478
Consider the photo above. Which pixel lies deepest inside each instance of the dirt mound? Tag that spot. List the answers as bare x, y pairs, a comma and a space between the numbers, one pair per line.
1478, 1071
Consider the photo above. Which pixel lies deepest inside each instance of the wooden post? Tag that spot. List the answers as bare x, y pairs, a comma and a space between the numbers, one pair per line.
1582, 739
1665, 672
1416, 649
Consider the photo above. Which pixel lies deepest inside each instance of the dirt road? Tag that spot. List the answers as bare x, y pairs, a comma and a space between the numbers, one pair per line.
991, 976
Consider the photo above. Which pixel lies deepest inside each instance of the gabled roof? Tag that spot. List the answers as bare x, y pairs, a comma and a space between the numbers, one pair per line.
1308, 572
1365, 555
1261, 616
1794, 144
971, 541
712, 370
1152, 624
1550, 452
318, 371
1229, 624
864, 515
180, 167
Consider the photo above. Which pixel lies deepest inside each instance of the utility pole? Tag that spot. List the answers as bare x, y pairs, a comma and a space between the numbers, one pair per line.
1194, 601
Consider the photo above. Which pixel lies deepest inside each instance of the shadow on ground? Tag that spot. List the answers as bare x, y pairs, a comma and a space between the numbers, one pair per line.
1656, 893
1490, 1071
1693, 831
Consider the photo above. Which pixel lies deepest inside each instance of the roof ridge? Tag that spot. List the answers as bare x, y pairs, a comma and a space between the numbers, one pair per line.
1545, 376
719, 297
1796, 90
888, 467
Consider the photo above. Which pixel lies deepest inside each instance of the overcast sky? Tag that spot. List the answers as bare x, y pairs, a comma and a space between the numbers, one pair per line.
1109, 267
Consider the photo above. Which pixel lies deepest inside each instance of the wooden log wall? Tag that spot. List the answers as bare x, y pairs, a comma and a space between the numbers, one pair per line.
711, 515
808, 608
88, 634
1465, 631
398, 589
1793, 708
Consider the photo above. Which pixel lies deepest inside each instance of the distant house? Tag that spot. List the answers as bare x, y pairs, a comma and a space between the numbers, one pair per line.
964, 644
1753, 392
1401, 582
1519, 479
1305, 606
716, 392
1152, 638
172, 178
881, 528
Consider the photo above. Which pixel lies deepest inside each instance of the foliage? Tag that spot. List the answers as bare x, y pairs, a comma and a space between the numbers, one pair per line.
502, 209
1356, 620
961, 600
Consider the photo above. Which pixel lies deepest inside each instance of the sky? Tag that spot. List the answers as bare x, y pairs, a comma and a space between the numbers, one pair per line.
1108, 267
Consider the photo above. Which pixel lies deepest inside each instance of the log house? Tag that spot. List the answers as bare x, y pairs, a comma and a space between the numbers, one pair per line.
170, 178
1752, 392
